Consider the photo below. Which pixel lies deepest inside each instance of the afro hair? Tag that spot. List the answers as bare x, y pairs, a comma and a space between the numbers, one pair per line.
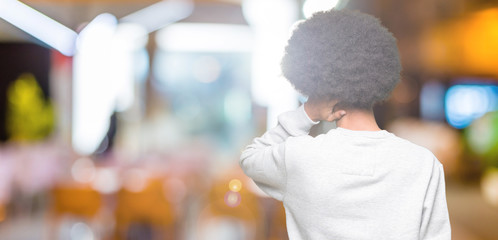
343, 55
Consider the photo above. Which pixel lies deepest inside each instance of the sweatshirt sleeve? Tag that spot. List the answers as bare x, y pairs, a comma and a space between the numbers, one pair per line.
264, 159
435, 218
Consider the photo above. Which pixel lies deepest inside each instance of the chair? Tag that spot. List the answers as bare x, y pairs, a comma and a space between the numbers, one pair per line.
144, 214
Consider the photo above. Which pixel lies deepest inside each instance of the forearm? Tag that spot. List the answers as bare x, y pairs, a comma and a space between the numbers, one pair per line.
264, 159
293, 123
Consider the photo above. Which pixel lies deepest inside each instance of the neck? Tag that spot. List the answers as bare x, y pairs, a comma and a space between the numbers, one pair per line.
359, 120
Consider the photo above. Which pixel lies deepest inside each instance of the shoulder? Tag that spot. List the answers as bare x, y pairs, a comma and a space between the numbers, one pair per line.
302, 145
422, 154
303, 140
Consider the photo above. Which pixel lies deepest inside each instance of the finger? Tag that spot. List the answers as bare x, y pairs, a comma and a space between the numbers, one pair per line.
335, 116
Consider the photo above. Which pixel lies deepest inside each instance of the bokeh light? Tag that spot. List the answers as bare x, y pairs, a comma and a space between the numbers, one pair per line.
482, 136
465, 103
235, 185
95, 88
313, 6
232, 199
489, 186
83, 170
106, 181
39, 25
81, 231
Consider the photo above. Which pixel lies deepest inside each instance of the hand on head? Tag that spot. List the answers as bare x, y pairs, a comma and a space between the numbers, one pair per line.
323, 110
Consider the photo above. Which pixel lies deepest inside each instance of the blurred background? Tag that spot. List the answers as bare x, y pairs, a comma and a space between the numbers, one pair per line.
125, 119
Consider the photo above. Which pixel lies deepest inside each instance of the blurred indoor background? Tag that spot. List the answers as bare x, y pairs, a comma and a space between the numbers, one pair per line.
124, 119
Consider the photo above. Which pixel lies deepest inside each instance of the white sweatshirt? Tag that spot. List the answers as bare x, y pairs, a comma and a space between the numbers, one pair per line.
349, 184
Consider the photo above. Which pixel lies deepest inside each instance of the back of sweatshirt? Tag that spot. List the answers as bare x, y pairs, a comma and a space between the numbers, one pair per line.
349, 184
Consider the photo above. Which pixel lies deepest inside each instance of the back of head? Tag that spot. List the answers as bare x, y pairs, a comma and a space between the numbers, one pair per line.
343, 55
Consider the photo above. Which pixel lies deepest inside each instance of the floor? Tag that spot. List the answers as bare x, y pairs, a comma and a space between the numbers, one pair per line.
471, 218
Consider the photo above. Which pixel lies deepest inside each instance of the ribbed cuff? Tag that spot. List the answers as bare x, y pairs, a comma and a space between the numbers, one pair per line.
296, 122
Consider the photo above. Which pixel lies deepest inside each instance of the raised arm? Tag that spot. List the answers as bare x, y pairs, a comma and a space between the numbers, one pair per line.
264, 159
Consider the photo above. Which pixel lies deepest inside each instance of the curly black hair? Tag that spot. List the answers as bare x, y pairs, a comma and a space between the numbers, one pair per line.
343, 55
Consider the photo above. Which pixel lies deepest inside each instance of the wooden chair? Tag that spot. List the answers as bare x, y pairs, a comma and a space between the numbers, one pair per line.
73, 201
147, 211
238, 209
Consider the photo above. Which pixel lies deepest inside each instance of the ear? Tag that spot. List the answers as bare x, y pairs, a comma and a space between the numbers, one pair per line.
335, 116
